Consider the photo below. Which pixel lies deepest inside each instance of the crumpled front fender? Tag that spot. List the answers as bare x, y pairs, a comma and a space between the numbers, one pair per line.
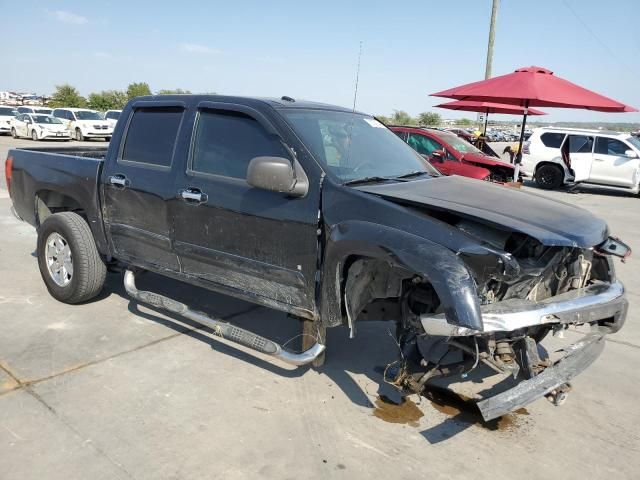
447, 273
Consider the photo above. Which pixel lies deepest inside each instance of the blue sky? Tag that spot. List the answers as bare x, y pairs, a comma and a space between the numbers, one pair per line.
309, 49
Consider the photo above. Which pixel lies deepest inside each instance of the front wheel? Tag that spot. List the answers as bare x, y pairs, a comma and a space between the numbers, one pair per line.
14, 134
69, 262
549, 177
79, 136
34, 135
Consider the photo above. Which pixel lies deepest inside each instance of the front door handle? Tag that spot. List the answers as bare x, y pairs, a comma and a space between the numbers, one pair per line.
193, 195
119, 180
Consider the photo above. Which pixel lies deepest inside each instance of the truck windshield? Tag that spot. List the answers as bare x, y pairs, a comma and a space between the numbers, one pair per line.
87, 115
353, 146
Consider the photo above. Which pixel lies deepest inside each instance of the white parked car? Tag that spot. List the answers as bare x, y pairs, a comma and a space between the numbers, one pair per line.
38, 127
84, 123
112, 116
6, 114
559, 156
36, 109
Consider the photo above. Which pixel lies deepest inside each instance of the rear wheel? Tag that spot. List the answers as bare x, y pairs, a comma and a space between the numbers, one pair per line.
34, 135
549, 177
79, 136
69, 262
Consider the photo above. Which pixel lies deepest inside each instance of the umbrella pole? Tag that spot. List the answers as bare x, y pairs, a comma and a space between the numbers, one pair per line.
486, 120
516, 172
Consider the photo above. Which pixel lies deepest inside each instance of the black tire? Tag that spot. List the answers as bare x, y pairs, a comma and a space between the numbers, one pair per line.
79, 136
89, 270
34, 135
14, 134
549, 177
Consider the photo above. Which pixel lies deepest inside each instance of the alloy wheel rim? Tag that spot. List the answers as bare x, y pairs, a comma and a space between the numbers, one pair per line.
59, 259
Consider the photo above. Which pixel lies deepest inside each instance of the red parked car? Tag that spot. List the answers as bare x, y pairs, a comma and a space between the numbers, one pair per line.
454, 156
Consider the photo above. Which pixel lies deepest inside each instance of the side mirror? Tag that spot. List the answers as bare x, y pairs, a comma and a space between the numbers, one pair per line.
630, 154
276, 174
438, 155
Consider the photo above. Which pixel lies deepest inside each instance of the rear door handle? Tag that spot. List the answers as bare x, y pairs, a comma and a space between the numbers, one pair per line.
119, 180
193, 195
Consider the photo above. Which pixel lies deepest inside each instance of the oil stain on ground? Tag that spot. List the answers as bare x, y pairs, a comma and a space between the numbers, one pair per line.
465, 410
405, 412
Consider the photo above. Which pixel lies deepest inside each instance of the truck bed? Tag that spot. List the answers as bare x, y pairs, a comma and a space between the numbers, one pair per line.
58, 173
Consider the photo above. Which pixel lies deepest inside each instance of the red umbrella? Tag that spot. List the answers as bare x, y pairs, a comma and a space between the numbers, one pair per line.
487, 108
534, 87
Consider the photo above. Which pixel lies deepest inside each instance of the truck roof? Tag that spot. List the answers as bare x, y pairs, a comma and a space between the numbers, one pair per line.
277, 103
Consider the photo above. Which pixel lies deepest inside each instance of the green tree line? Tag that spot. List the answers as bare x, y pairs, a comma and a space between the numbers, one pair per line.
425, 119
68, 96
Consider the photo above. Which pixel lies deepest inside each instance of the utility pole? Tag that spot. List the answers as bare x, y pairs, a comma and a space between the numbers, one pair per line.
492, 35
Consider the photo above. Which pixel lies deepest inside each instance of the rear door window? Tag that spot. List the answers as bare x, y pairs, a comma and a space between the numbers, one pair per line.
552, 139
151, 136
580, 144
226, 141
610, 146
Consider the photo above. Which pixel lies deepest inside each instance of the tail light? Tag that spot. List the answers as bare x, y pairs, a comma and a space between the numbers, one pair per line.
8, 170
525, 148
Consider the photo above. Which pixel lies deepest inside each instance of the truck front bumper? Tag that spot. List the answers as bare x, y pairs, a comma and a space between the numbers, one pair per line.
600, 302
602, 306
577, 358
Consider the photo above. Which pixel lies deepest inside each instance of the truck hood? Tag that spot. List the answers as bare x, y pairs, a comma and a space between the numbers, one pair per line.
551, 222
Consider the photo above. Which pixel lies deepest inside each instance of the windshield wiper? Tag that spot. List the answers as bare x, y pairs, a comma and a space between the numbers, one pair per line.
417, 173
358, 181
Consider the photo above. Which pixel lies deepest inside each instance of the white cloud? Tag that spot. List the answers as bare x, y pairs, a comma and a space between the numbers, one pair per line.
195, 48
68, 17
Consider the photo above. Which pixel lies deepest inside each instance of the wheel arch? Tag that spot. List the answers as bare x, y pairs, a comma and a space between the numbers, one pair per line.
49, 202
407, 256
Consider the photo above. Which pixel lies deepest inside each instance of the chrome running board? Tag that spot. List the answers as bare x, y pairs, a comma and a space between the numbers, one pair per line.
222, 329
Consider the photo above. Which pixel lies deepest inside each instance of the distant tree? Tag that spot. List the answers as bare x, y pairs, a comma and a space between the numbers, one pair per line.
108, 100
464, 122
384, 119
430, 118
67, 96
138, 90
176, 91
401, 117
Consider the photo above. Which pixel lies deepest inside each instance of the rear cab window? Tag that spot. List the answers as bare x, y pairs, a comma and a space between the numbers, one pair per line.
151, 137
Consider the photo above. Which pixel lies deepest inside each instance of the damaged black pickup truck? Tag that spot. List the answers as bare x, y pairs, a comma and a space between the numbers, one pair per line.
325, 214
